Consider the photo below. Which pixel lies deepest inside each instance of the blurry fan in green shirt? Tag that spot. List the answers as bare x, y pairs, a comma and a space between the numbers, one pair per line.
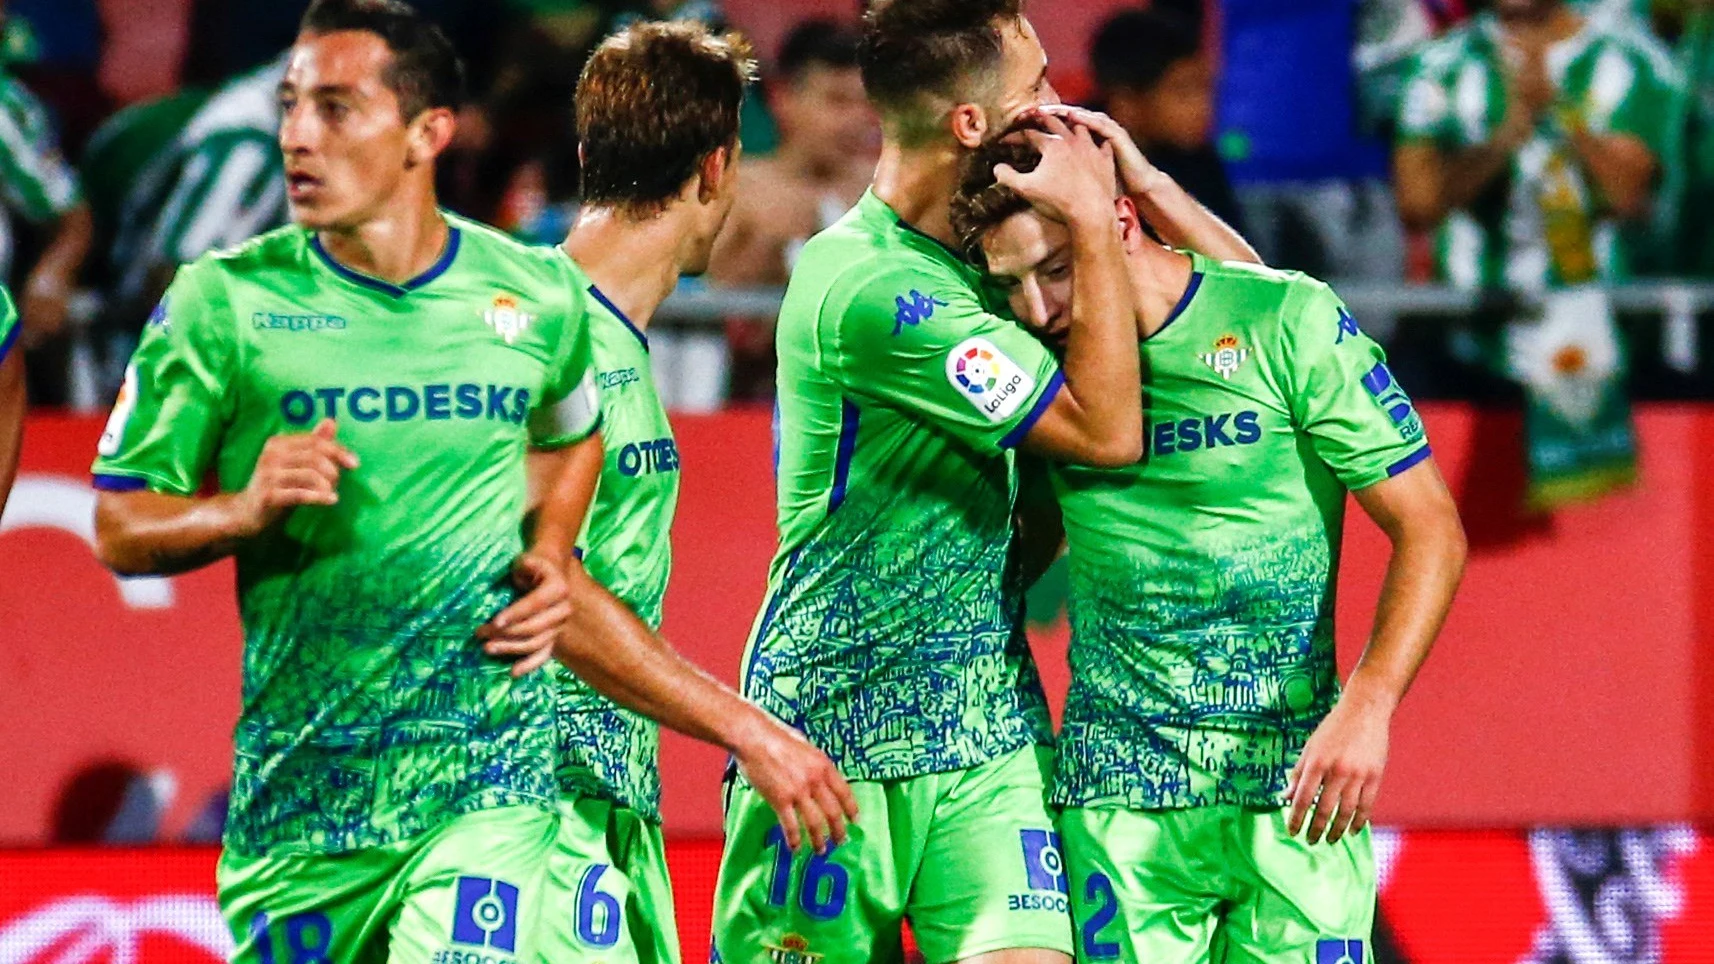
1205, 718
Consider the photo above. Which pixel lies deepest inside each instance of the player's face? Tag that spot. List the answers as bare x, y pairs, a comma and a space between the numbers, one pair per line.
346, 146
1030, 257
827, 112
1023, 75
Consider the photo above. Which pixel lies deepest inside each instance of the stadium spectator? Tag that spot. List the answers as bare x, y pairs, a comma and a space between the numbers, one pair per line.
1154, 79
829, 136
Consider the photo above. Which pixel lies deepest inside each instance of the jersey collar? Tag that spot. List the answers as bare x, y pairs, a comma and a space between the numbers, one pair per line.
447, 255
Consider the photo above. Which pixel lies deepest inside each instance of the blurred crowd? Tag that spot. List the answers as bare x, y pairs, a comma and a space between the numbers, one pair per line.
1506, 145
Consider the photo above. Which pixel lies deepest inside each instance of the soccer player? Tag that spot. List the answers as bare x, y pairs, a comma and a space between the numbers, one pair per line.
13, 398
649, 214
1205, 721
365, 386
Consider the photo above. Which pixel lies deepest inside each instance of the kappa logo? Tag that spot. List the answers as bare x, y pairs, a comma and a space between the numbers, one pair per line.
1228, 355
792, 949
486, 914
914, 309
505, 318
159, 317
1347, 326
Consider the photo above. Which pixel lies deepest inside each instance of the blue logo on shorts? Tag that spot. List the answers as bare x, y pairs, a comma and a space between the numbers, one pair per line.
1338, 950
1042, 860
487, 914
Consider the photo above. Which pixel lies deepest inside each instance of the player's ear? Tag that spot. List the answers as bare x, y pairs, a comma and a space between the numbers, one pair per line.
431, 133
1131, 235
715, 173
969, 125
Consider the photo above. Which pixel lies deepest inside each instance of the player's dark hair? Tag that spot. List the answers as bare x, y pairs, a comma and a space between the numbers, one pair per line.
1133, 50
654, 101
918, 54
425, 72
983, 203
817, 42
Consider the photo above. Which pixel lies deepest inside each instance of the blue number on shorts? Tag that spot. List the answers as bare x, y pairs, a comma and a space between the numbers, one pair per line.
309, 938
1098, 886
821, 874
589, 899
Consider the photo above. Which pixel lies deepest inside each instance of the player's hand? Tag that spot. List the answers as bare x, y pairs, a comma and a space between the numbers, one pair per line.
43, 306
1339, 774
1073, 182
805, 789
526, 630
294, 470
1136, 173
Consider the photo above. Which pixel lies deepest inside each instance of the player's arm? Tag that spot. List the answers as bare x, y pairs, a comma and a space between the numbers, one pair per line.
1622, 166
13, 400
1179, 219
39, 184
1339, 774
1364, 428
603, 641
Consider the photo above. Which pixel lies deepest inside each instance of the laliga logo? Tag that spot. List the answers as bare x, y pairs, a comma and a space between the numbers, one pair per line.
74, 930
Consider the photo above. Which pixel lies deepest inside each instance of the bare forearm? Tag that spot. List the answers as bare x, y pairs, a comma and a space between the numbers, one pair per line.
1183, 222
12, 403
1469, 172
148, 533
1101, 357
610, 648
562, 487
70, 245
1621, 167
1422, 575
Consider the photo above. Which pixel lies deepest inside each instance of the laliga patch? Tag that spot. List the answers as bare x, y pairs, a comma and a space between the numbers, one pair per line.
989, 380
123, 406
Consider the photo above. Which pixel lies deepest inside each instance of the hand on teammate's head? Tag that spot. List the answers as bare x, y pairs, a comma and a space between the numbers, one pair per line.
1074, 179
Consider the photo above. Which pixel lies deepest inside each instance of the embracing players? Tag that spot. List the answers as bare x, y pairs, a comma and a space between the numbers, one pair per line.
1205, 721
365, 386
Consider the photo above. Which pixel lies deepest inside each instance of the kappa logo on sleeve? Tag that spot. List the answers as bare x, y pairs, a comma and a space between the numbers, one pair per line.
913, 309
1347, 326
988, 379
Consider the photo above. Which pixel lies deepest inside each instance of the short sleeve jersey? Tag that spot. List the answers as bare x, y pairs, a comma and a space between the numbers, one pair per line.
1202, 650
369, 714
1544, 225
608, 751
35, 178
10, 327
891, 633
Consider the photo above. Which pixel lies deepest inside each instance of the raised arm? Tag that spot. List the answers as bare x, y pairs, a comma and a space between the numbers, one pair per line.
1339, 774
13, 400
1179, 219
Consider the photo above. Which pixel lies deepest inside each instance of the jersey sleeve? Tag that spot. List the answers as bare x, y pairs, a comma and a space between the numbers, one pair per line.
1425, 109
570, 409
178, 392
35, 178
924, 343
10, 327
1342, 395
1633, 95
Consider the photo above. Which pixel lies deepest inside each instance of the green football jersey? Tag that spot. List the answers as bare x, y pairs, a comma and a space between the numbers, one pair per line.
1203, 577
608, 751
1545, 224
10, 326
369, 712
892, 630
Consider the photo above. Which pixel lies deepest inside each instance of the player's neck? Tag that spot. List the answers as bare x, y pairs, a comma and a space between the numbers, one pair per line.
805, 164
1159, 278
917, 183
398, 246
633, 261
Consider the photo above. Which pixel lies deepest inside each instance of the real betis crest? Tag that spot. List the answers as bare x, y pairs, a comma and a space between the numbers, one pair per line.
505, 318
1226, 357
792, 949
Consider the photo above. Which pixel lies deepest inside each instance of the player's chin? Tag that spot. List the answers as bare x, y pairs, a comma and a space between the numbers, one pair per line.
312, 216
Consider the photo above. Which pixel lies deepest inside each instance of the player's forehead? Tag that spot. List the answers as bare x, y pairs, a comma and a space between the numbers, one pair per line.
1021, 243
348, 60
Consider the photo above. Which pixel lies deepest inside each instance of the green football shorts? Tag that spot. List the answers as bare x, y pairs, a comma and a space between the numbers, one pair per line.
970, 857
609, 897
1219, 884
468, 892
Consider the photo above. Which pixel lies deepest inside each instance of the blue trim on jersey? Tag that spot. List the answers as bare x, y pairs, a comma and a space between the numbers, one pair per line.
1183, 302
847, 447
11, 339
118, 483
610, 306
447, 255
961, 259
1016, 435
1408, 461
